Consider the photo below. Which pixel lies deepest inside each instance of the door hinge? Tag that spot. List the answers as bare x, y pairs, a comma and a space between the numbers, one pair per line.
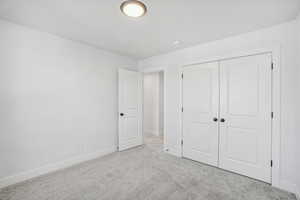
182, 75
181, 109
181, 142
272, 115
272, 66
271, 163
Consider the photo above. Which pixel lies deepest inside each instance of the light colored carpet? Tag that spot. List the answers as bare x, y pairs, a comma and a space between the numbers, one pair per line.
142, 173
153, 139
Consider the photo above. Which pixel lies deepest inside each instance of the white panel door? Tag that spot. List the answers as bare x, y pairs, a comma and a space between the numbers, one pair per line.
200, 103
245, 112
130, 89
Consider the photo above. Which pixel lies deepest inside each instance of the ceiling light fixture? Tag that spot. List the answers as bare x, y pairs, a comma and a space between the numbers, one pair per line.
133, 8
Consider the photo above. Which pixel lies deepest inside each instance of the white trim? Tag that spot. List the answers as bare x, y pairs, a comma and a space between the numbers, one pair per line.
173, 151
276, 122
276, 99
180, 110
160, 69
141, 107
153, 70
165, 109
23, 176
291, 187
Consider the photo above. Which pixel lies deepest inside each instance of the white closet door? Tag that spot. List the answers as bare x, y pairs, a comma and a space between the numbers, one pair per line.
130, 127
245, 105
200, 104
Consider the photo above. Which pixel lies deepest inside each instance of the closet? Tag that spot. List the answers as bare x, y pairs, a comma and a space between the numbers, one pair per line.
227, 114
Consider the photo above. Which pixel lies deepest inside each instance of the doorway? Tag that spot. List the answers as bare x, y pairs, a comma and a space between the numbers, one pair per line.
153, 106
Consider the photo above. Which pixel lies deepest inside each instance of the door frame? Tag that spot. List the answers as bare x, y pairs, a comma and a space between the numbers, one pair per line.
275, 52
153, 70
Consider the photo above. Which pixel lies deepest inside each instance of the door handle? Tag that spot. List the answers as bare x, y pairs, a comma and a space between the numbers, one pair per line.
222, 120
215, 119
121, 114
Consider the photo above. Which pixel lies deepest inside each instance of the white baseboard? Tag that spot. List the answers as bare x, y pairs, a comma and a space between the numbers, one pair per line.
173, 151
297, 193
6, 181
290, 187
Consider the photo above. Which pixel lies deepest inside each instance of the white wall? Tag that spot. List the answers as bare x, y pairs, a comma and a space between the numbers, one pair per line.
58, 101
152, 104
283, 35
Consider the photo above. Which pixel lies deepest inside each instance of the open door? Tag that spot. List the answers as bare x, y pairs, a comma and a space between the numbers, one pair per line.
130, 105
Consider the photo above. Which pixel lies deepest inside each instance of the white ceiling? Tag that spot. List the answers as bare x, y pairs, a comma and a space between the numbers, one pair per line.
100, 22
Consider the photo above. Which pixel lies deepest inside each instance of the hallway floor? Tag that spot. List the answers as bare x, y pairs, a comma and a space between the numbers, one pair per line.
142, 173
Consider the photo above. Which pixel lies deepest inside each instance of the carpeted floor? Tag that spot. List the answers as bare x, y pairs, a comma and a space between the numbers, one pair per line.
142, 173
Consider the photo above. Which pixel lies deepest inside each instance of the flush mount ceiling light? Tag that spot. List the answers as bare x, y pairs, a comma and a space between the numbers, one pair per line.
133, 8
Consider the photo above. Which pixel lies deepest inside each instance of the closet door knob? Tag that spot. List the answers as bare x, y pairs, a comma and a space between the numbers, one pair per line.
222, 120
121, 114
215, 119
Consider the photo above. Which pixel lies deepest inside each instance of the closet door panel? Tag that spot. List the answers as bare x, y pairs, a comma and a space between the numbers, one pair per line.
245, 106
200, 104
